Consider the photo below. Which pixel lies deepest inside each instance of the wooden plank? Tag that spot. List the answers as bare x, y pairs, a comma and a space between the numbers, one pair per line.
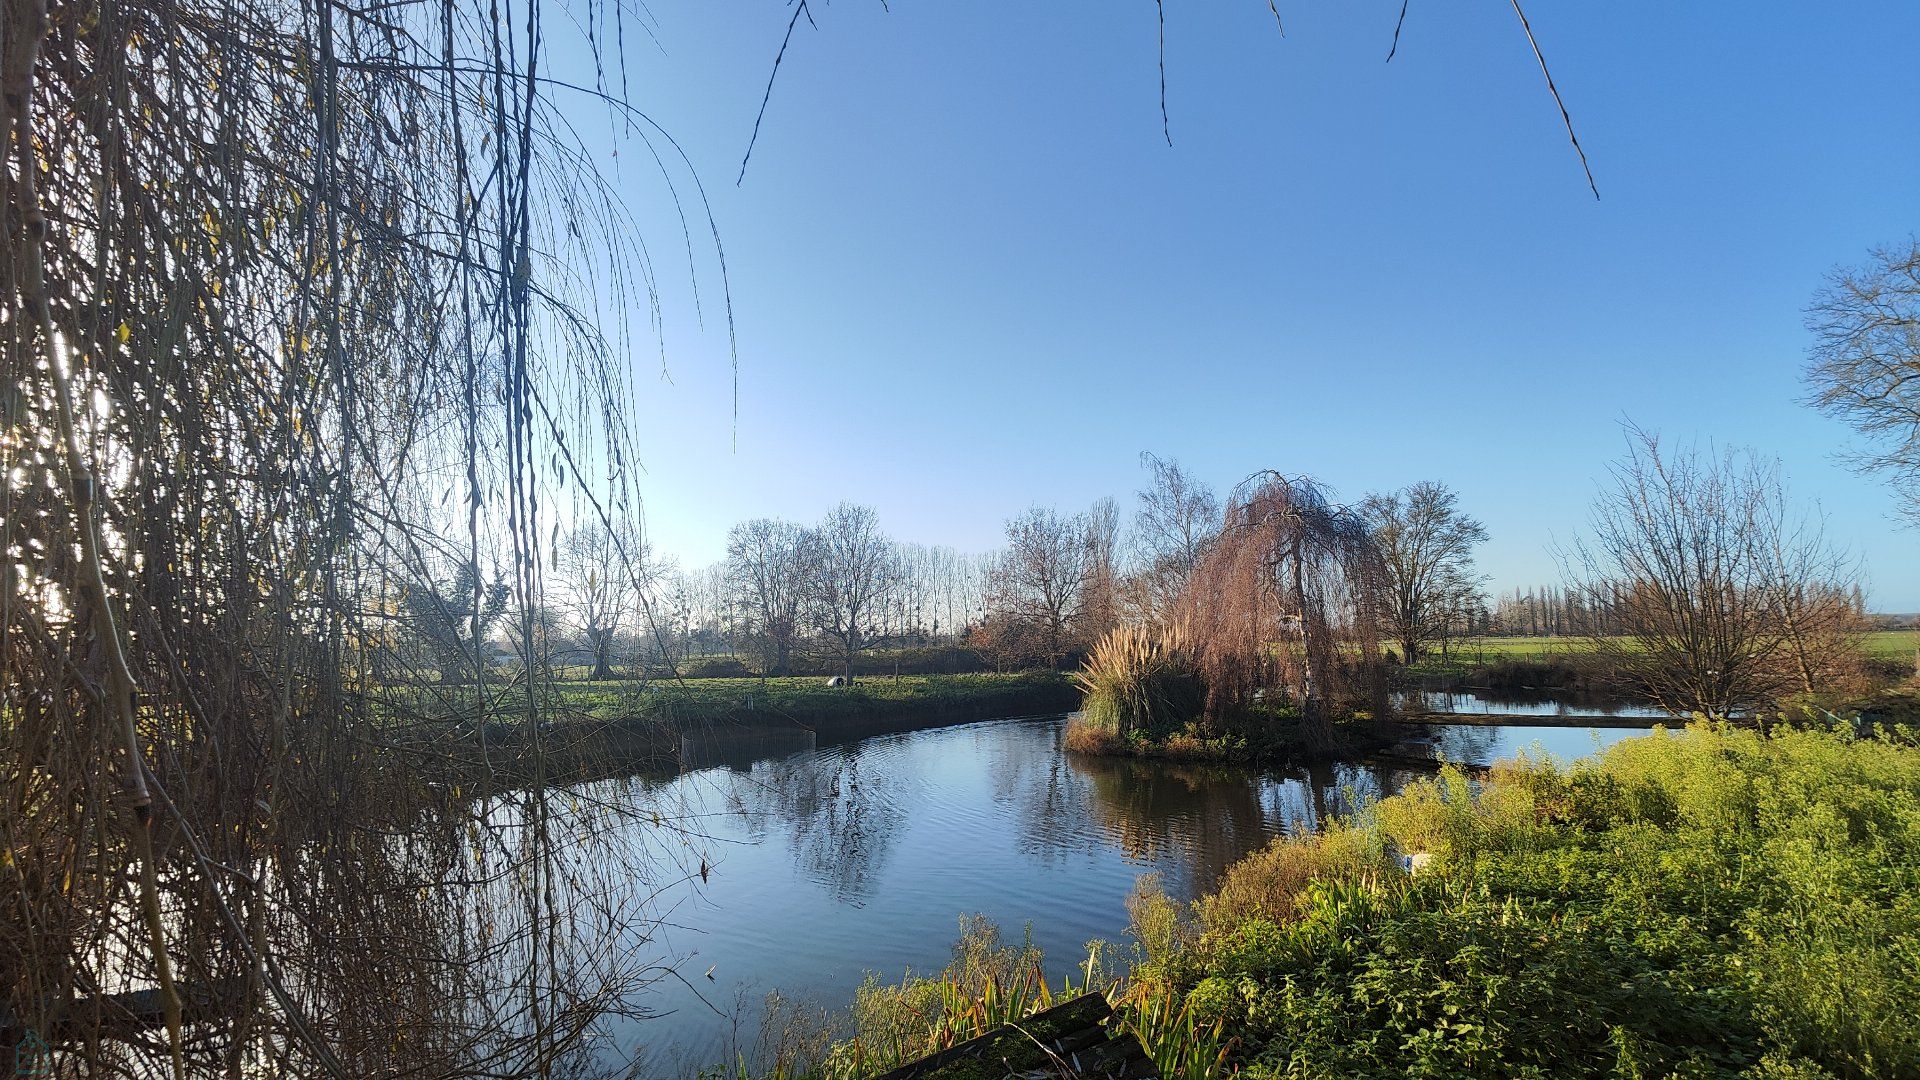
1073, 1039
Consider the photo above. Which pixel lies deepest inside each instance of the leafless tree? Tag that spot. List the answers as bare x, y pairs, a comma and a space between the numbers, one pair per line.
1006, 642
1426, 542
1102, 605
1176, 522
604, 574
1290, 567
1866, 361
766, 575
1813, 595
852, 570
1042, 576
1719, 599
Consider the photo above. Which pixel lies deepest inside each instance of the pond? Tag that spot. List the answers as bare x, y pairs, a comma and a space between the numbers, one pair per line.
1488, 703
826, 862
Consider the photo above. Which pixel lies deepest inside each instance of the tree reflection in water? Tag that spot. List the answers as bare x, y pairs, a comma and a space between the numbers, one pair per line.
840, 813
1193, 820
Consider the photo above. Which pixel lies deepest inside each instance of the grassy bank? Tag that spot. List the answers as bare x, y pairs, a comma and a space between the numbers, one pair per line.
908, 700
1465, 654
619, 727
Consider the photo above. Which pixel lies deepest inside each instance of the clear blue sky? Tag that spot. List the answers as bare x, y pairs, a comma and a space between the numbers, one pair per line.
969, 274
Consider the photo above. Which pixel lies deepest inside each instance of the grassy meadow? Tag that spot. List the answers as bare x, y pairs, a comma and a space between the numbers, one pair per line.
811, 702
1876, 644
1463, 655
1879, 644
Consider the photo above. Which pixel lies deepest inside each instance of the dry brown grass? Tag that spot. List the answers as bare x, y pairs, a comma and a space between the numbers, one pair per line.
1268, 884
1083, 737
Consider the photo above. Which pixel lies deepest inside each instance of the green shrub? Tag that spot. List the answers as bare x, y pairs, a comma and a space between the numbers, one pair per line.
1717, 902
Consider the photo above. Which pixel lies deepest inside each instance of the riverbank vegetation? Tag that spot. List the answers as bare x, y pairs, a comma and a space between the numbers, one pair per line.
1710, 902
591, 730
1716, 902
907, 700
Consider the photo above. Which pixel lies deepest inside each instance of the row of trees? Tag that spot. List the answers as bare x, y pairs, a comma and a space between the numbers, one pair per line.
842, 586
1063, 579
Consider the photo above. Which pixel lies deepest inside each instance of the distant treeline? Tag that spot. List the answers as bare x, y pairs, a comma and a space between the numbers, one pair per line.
1559, 611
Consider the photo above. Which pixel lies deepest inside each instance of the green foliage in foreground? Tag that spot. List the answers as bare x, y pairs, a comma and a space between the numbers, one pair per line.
987, 985
1715, 903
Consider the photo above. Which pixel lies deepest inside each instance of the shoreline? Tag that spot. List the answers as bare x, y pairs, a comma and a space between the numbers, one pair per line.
1526, 720
632, 742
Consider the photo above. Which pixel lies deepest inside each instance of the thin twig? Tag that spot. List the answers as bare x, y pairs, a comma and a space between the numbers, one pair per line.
1397, 24
799, 9
1555, 91
1166, 127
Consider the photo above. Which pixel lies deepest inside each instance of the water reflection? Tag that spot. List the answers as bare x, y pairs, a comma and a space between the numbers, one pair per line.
838, 814
1191, 820
1560, 705
738, 747
829, 861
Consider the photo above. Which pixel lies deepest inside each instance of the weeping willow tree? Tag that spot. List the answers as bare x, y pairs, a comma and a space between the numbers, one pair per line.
299, 301
1285, 604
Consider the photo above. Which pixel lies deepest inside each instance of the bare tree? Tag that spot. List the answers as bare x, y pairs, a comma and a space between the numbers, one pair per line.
1427, 544
1289, 567
1177, 520
1812, 594
1866, 361
852, 570
766, 575
1042, 577
1102, 604
602, 572
1719, 595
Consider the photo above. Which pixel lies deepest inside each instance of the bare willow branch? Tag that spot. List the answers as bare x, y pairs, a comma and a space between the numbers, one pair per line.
1565, 119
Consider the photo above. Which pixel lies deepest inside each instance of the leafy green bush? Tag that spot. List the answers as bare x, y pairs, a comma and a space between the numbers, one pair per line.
1718, 902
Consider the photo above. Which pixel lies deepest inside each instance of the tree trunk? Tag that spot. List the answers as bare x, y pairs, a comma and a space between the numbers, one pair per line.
1309, 700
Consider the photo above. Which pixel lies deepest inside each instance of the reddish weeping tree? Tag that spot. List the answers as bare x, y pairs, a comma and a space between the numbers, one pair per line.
1286, 602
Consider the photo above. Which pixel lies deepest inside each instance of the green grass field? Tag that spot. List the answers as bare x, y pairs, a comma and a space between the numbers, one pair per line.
1881, 644
810, 698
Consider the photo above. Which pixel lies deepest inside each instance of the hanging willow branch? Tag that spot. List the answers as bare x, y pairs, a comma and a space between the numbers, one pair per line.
1286, 603
300, 302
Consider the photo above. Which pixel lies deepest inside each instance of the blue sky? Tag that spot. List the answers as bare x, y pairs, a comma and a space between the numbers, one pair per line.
969, 274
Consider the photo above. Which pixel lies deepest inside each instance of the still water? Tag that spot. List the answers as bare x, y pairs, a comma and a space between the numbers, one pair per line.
1484, 703
826, 862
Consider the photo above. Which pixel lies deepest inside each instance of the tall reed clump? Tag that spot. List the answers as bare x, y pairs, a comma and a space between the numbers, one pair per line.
1139, 683
987, 985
